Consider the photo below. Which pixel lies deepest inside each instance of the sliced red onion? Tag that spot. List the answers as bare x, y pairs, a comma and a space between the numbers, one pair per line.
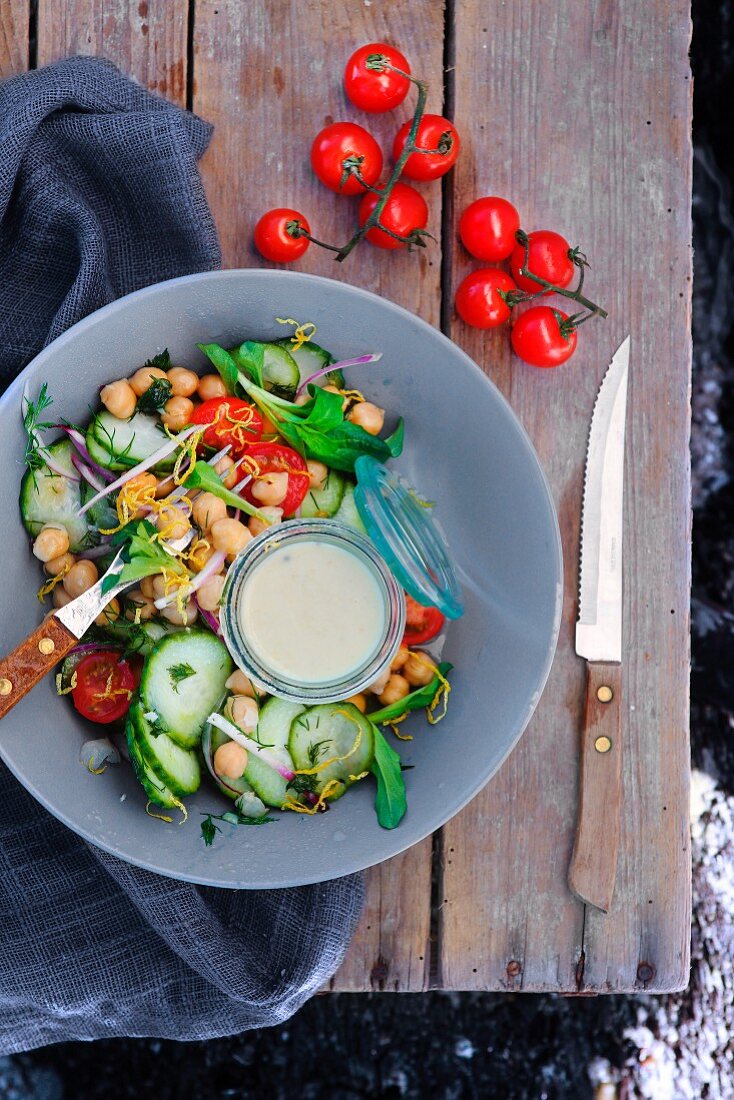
49, 461
80, 443
341, 365
86, 473
90, 647
210, 619
152, 460
252, 746
215, 563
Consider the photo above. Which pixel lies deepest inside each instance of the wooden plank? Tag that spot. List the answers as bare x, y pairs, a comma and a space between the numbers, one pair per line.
14, 24
268, 93
581, 114
145, 38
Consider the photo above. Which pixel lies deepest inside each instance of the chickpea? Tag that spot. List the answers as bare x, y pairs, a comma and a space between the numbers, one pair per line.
183, 382
379, 685
119, 398
256, 526
317, 474
360, 702
239, 684
302, 399
51, 542
142, 486
138, 607
142, 380
62, 564
148, 589
82, 575
180, 618
172, 522
269, 428
209, 593
226, 463
230, 760
158, 586
200, 557
230, 536
177, 413
110, 614
367, 416
396, 688
207, 509
60, 597
270, 488
400, 658
243, 711
419, 669
211, 385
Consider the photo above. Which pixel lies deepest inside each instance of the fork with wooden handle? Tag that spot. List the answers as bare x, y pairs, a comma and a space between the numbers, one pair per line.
60, 632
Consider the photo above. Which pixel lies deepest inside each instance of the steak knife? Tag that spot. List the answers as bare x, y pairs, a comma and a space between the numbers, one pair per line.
599, 639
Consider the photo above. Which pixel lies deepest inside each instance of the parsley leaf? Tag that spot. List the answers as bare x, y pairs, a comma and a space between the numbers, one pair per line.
180, 672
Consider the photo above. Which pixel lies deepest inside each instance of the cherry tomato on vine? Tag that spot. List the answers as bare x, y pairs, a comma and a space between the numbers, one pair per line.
271, 458
487, 228
274, 237
548, 257
421, 623
104, 685
232, 423
479, 301
371, 90
343, 152
543, 338
436, 133
404, 211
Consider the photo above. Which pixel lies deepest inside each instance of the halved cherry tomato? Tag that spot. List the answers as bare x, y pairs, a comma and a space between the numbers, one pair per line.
233, 422
479, 301
104, 686
344, 152
548, 256
543, 337
404, 211
371, 90
421, 623
487, 228
273, 239
435, 133
271, 458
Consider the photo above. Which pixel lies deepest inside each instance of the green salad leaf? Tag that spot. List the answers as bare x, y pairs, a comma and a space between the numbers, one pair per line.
421, 697
225, 365
390, 801
140, 557
204, 476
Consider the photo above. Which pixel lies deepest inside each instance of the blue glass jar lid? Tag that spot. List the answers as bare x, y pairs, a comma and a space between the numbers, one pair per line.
401, 526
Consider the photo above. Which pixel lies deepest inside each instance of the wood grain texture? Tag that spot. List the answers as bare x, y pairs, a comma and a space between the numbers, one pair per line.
33, 659
581, 114
14, 24
593, 868
145, 38
268, 75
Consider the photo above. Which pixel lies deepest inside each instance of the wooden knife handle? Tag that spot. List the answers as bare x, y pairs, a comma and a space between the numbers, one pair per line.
594, 860
32, 659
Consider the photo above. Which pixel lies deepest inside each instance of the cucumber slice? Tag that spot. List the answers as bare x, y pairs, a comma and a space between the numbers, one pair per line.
280, 371
267, 784
273, 730
155, 788
102, 514
331, 729
176, 767
125, 443
51, 498
321, 503
184, 702
310, 358
347, 512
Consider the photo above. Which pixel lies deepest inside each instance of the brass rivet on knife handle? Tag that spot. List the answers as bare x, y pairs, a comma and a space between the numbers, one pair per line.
5, 686
32, 659
603, 744
604, 693
46, 646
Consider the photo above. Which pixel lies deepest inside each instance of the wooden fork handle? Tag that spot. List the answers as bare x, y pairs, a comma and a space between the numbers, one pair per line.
32, 659
594, 860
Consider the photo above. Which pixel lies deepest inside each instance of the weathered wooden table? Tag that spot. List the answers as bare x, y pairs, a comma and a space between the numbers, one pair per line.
581, 114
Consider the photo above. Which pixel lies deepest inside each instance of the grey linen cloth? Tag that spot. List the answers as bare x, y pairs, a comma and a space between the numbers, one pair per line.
100, 195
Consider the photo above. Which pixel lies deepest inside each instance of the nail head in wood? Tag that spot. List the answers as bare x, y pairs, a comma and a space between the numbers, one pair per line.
604, 694
46, 646
603, 744
5, 686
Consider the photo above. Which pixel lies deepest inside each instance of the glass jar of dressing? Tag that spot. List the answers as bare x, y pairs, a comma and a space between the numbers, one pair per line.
313, 609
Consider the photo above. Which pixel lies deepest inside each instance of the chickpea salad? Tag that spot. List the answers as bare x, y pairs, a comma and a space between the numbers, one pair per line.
175, 474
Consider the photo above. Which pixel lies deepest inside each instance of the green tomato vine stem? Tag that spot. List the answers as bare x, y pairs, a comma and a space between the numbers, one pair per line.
579, 260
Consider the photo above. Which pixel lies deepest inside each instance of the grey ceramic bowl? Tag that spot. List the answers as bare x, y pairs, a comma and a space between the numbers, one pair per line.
493, 502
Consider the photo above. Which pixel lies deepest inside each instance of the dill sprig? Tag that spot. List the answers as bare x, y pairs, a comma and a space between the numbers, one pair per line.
32, 423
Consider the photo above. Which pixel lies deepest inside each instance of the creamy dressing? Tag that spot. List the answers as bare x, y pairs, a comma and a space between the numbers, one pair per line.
312, 612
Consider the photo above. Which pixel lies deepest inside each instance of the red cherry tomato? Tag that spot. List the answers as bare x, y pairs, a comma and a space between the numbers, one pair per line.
487, 228
421, 623
273, 239
479, 301
271, 458
341, 150
233, 423
542, 338
104, 686
434, 132
371, 90
404, 211
548, 257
